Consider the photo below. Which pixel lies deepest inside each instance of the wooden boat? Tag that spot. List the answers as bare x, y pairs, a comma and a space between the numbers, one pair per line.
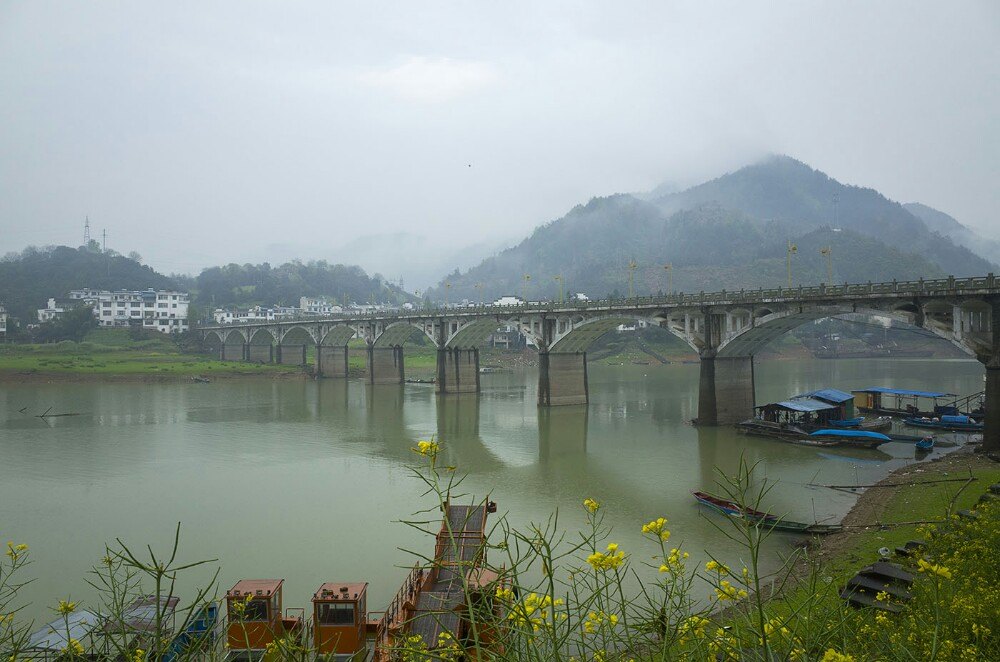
760, 428
733, 509
855, 438
950, 423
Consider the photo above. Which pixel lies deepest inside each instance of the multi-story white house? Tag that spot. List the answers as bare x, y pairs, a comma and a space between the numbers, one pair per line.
165, 311
3, 321
255, 314
319, 306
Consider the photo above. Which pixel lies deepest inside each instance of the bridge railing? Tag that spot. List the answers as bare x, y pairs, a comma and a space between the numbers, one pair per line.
760, 295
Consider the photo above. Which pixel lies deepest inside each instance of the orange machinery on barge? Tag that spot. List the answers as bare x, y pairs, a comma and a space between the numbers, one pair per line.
431, 601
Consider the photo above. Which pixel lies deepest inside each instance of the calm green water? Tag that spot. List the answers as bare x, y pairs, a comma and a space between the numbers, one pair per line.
306, 480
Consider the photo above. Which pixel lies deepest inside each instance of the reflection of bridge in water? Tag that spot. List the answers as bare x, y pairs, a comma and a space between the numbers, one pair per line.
726, 329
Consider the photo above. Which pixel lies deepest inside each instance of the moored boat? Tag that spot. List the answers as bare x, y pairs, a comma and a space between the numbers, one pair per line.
846, 437
734, 509
959, 423
925, 444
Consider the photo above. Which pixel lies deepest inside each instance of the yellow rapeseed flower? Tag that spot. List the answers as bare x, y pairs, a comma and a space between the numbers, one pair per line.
73, 648
66, 607
940, 570
428, 448
727, 591
591, 505
657, 527
832, 655
606, 561
715, 566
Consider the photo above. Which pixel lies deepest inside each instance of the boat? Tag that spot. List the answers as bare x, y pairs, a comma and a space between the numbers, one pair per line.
861, 423
773, 522
855, 438
925, 444
901, 402
960, 423
760, 428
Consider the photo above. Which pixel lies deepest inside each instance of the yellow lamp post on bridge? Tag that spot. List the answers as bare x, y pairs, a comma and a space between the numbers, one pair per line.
524, 291
447, 289
559, 279
792, 249
669, 268
827, 252
631, 276
479, 287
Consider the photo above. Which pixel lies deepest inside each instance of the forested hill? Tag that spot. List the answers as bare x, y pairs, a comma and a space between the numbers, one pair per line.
249, 284
729, 233
29, 278
942, 223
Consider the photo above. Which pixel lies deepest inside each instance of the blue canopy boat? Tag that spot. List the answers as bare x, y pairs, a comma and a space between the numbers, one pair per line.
959, 423
847, 437
901, 402
924, 444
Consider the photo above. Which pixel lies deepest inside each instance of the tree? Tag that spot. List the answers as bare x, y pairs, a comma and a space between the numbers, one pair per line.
73, 325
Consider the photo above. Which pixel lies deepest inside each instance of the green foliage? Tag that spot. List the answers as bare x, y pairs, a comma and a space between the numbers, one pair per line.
249, 284
73, 325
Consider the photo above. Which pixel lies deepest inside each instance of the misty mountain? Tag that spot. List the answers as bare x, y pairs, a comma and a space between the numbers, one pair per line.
29, 278
789, 191
942, 223
731, 232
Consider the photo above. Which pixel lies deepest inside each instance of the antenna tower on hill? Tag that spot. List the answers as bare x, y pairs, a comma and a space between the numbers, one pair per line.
86, 232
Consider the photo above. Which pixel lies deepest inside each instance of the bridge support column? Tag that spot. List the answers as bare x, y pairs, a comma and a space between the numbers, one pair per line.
385, 365
291, 354
562, 379
233, 353
991, 429
725, 390
457, 370
331, 361
260, 353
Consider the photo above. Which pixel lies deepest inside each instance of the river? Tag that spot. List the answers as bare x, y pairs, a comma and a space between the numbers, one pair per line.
306, 480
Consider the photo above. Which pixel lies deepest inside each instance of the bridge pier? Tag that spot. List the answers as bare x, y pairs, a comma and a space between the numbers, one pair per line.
562, 379
291, 354
260, 353
233, 352
331, 361
385, 365
457, 370
725, 389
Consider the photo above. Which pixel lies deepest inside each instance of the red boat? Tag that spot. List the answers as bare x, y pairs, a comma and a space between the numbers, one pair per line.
731, 507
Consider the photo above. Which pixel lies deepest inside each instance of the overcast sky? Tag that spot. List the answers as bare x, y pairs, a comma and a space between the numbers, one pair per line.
202, 133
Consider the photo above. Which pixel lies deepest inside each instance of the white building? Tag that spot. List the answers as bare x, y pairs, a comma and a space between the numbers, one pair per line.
255, 314
3, 321
165, 311
319, 306
509, 301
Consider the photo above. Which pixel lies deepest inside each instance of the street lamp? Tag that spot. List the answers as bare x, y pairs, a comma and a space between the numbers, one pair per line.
447, 287
479, 286
669, 268
559, 279
792, 249
524, 290
631, 271
827, 252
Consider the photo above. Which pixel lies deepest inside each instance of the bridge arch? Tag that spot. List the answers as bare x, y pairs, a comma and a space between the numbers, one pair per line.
337, 336
475, 333
261, 336
770, 327
397, 333
583, 334
297, 335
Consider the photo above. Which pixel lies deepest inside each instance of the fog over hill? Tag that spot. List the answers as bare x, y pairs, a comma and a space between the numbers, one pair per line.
730, 232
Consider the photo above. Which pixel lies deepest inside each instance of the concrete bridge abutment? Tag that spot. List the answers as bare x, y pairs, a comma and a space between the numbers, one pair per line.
385, 365
457, 370
260, 353
562, 379
291, 354
331, 361
725, 389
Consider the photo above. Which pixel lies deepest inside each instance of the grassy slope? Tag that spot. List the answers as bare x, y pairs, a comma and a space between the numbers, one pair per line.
842, 555
108, 352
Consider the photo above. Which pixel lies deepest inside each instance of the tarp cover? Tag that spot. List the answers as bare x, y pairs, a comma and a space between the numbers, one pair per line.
828, 395
903, 391
804, 404
857, 434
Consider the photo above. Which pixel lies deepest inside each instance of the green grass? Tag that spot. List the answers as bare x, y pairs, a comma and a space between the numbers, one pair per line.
140, 358
912, 503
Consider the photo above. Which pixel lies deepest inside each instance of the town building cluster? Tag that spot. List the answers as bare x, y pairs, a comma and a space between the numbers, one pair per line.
165, 311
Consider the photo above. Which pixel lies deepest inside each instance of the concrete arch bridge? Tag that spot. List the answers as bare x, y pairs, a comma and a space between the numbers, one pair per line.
725, 328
